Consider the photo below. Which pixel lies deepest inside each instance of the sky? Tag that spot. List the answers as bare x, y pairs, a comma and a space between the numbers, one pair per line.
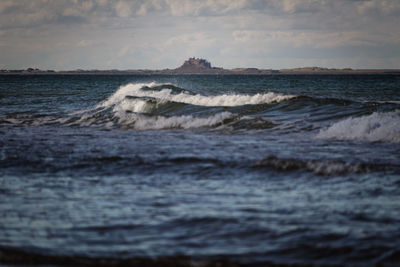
158, 34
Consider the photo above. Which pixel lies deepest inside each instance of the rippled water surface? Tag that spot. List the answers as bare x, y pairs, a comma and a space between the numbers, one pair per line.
282, 169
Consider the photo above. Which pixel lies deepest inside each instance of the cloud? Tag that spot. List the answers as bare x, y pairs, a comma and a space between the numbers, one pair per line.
79, 9
378, 7
182, 46
192, 39
40, 12
124, 50
123, 9
24, 13
161, 33
85, 43
6, 5
314, 39
205, 8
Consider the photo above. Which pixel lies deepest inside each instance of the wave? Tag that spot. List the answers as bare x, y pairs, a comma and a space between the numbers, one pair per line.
171, 93
32, 256
377, 127
139, 121
143, 122
319, 167
28, 119
222, 120
151, 106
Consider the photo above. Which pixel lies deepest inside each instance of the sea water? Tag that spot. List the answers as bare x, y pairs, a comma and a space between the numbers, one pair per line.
286, 169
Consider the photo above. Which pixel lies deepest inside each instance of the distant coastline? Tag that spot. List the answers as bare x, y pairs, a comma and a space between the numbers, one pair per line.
202, 66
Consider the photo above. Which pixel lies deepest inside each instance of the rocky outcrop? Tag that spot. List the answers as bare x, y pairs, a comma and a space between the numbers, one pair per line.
201, 66
196, 63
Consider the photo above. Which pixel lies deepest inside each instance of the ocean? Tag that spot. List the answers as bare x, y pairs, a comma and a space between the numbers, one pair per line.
248, 170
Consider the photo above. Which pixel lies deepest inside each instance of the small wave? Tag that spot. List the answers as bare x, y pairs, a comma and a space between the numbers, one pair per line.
377, 127
120, 118
388, 102
28, 119
26, 256
143, 122
318, 167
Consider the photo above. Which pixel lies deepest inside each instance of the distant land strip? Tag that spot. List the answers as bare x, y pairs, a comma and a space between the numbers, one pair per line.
202, 66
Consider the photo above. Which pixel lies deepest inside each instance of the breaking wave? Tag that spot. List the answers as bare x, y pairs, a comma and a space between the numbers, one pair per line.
151, 106
146, 106
171, 93
377, 127
143, 122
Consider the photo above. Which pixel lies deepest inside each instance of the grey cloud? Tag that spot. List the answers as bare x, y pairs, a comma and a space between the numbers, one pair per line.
26, 13
154, 33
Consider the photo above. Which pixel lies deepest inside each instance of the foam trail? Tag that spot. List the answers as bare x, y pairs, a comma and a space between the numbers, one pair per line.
318, 167
377, 127
200, 100
143, 122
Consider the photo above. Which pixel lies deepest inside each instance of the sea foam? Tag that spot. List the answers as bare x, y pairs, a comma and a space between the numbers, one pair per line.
139, 106
318, 167
133, 104
180, 122
224, 100
377, 127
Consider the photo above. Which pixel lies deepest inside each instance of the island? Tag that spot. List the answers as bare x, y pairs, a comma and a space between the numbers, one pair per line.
195, 65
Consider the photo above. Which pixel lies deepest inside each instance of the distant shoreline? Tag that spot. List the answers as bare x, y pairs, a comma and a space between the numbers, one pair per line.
194, 66
252, 71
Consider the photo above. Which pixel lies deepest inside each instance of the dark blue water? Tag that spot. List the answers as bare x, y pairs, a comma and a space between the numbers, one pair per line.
282, 169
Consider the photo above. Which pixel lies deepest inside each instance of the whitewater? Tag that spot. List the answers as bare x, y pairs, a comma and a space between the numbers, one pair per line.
188, 98
378, 126
200, 169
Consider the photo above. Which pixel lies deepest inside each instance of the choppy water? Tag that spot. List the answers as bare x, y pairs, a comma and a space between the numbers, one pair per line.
279, 169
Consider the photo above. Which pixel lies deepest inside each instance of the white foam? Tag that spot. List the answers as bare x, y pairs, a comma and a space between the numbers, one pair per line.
331, 168
131, 107
200, 100
134, 105
377, 127
319, 167
143, 122
123, 91
388, 102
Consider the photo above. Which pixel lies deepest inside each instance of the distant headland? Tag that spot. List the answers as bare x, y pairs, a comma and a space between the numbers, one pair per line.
202, 66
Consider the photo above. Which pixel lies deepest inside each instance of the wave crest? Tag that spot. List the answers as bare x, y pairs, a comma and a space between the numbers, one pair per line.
143, 122
174, 94
151, 106
145, 106
377, 127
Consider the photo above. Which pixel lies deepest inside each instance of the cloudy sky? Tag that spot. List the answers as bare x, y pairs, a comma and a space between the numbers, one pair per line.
157, 34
